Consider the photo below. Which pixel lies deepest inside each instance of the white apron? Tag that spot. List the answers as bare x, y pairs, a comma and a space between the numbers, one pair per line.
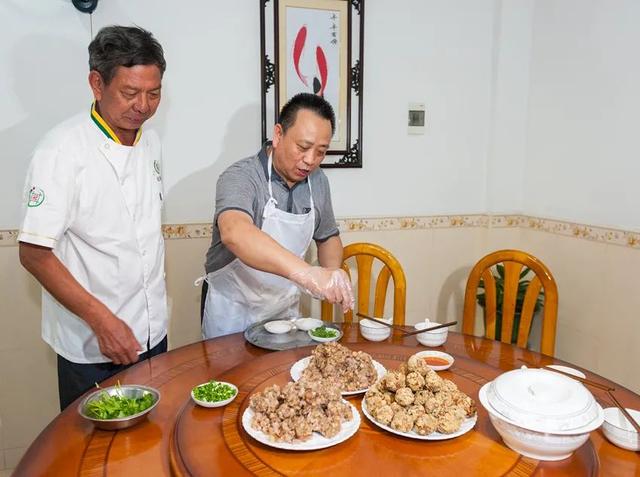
239, 295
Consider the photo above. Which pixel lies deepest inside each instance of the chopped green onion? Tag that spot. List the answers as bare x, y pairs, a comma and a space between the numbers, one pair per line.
324, 332
213, 391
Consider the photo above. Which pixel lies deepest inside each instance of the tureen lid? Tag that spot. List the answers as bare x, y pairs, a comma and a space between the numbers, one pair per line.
542, 400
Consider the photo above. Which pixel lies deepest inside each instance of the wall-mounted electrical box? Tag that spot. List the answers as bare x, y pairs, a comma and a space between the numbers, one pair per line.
417, 118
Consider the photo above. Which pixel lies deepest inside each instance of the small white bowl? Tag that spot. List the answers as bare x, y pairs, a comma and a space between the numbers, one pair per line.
326, 340
431, 338
437, 354
372, 331
278, 327
214, 403
619, 430
306, 324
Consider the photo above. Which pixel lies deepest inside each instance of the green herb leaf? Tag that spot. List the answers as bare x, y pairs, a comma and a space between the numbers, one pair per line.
117, 406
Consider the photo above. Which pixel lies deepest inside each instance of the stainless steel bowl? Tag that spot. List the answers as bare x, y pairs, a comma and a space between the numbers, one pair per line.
126, 390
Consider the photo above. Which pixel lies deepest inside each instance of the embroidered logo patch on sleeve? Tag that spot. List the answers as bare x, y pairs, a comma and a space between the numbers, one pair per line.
36, 197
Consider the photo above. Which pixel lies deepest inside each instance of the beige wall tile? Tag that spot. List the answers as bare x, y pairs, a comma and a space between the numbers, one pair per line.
13, 456
184, 263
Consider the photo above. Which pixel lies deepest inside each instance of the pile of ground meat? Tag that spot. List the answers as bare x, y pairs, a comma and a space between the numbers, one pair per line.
345, 369
297, 410
415, 398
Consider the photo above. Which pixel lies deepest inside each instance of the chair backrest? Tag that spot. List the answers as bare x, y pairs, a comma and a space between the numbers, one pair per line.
364, 254
513, 261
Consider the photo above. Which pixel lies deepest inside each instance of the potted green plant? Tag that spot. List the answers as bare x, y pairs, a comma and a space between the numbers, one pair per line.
523, 284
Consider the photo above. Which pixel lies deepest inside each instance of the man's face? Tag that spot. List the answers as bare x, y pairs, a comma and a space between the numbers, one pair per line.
132, 96
300, 150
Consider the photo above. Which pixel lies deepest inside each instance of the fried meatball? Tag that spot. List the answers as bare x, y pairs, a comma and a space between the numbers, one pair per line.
374, 401
394, 381
404, 396
403, 369
416, 410
449, 385
383, 414
418, 365
433, 382
425, 424
415, 381
422, 396
449, 422
402, 421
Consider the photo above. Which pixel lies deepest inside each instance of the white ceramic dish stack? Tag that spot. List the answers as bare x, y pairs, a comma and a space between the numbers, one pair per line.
541, 414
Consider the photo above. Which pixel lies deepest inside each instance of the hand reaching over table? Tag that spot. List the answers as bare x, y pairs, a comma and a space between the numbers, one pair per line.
331, 284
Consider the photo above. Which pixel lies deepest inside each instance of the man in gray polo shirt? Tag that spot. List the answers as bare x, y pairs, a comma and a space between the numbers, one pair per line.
268, 209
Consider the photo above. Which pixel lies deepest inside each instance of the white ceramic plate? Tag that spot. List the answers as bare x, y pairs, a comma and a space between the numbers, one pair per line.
437, 354
325, 340
467, 425
299, 366
317, 441
215, 403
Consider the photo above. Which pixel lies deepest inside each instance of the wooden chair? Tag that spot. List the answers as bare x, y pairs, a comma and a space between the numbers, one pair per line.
365, 253
513, 261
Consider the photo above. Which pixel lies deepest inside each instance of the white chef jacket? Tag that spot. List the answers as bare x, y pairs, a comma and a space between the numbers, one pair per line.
98, 204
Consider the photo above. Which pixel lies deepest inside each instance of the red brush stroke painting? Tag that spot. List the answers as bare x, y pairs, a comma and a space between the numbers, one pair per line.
298, 46
322, 68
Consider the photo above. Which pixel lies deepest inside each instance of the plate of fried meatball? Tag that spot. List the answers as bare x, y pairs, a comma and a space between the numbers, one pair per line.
413, 401
300, 416
353, 372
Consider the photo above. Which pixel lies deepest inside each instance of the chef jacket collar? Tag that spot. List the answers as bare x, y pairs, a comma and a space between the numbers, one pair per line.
104, 127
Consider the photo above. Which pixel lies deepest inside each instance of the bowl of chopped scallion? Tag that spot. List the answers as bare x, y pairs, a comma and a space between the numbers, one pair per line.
120, 406
214, 393
324, 334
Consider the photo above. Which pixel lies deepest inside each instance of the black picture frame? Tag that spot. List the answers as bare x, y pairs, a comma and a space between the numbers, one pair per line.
346, 149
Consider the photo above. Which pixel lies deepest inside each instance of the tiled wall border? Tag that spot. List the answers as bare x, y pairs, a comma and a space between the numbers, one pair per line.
606, 235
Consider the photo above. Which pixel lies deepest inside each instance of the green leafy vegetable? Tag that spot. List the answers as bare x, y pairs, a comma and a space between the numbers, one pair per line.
213, 391
118, 405
324, 332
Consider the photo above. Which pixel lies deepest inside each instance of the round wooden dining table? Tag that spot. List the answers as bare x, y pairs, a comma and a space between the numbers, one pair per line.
180, 438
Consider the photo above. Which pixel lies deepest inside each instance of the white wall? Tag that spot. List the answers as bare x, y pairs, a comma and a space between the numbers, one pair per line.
582, 157
435, 52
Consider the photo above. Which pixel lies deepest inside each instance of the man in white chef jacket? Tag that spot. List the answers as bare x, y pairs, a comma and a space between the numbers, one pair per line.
91, 232
269, 207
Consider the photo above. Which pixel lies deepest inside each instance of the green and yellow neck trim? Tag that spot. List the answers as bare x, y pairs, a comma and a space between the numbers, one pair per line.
104, 127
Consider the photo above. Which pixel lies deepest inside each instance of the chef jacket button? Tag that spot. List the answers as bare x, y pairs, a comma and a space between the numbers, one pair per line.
106, 145
144, 252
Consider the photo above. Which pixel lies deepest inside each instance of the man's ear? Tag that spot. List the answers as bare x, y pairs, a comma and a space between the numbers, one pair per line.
277, 134
97, 84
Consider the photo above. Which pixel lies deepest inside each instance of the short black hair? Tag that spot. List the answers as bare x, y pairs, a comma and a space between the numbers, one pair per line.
116, 46
309, 101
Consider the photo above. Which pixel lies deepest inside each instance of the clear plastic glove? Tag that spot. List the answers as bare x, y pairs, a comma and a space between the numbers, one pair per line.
331, 284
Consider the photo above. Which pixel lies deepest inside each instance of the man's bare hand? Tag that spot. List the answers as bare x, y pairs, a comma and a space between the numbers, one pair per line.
116, 339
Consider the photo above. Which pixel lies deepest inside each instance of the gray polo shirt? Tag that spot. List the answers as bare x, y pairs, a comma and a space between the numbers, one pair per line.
244, 186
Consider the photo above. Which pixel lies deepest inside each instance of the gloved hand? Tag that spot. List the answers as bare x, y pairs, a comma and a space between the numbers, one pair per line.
331, 284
